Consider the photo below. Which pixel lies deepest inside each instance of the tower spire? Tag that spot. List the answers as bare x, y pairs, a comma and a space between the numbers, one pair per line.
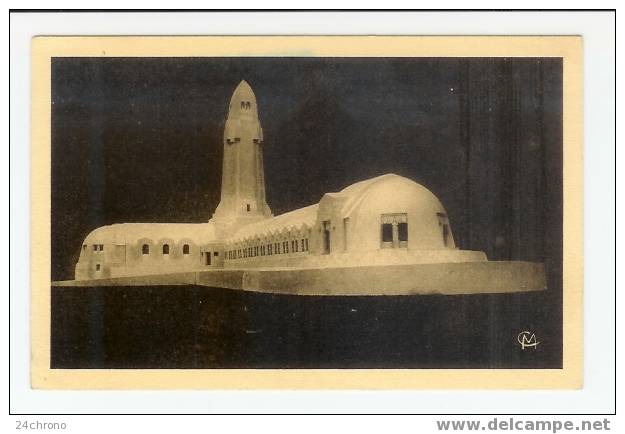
243, 178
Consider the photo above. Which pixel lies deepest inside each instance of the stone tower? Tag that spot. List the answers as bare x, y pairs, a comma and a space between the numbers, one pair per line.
243, 178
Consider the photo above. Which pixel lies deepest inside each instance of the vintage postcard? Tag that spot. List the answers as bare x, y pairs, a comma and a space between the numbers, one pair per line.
307, 212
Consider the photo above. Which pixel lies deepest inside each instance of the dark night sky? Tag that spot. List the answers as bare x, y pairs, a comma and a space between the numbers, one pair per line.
141, 140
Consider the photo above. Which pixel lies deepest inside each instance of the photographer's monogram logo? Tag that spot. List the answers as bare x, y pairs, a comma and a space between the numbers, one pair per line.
527, 339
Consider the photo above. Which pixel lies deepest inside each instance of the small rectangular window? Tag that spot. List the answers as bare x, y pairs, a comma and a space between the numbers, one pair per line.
97, 267
443, 222
402, 231
216, 254
95, 247
387, 233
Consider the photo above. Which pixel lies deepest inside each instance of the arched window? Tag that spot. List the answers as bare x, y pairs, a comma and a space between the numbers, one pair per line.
247, 105
185, 249
145, 249
165, 249
242, 105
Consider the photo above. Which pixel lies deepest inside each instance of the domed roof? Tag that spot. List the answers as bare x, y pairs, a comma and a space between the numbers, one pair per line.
392, 197
385, 187
128, 233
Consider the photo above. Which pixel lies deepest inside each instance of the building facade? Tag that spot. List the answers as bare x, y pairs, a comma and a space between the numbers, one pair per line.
385, 220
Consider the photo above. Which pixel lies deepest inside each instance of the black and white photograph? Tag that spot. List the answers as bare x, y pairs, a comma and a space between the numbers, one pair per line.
306, 212
355, 213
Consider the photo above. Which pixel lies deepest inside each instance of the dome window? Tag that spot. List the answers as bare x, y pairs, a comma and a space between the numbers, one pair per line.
145, 249
387, 233
402, 232
394, 230
185, 249
443, 222
165, 249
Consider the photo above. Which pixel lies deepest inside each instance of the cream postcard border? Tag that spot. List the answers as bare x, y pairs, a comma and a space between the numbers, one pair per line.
567, 47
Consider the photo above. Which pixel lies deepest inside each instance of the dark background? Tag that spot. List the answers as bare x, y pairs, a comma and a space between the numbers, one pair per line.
140, 140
